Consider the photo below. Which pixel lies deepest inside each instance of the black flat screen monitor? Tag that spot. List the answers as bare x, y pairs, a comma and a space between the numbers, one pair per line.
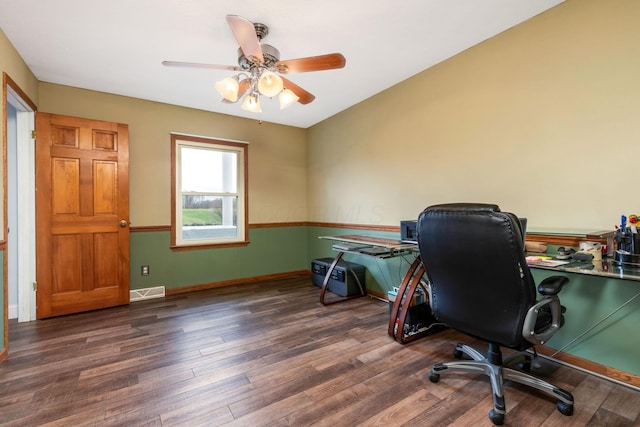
523, 226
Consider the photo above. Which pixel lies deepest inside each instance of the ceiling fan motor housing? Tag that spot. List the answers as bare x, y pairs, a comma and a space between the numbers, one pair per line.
270, 54
261, 30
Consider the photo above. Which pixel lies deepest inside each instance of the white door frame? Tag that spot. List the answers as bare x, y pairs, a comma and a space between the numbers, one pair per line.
25, 207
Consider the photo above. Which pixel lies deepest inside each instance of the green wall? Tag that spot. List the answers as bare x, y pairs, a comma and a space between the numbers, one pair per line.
588, 300
272, 250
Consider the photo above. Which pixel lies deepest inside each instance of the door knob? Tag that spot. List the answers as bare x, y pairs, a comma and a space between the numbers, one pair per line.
123, 223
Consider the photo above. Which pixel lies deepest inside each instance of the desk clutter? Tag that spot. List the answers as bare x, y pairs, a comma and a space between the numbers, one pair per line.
619, 248
361, 248
378, 247
627, 239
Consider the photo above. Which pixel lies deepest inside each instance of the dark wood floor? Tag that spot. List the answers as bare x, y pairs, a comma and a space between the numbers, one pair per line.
263, 354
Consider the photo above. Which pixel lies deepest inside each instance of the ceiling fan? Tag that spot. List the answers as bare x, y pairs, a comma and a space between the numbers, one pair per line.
260, 70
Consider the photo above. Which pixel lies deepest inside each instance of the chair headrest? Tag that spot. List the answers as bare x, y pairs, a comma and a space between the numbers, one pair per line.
481, 207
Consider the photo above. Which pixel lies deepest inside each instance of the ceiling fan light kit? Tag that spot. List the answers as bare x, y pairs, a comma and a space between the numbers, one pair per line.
286, 98
259, 67
228, 88
270, 84
251, 103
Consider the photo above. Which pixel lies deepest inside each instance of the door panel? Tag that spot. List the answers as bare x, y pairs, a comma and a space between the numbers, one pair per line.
65, 178
106, 266
82, 214
104, 187
66, 271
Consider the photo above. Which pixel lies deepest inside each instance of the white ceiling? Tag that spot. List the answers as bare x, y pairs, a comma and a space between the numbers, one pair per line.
117, 46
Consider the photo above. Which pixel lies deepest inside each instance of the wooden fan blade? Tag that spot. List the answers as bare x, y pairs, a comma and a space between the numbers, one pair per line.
243, 86
305, 97
199, 65
312, 63
245, 34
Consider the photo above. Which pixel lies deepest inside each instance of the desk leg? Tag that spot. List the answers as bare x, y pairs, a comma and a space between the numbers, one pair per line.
401, 291
402, 317
402, 304
327, 279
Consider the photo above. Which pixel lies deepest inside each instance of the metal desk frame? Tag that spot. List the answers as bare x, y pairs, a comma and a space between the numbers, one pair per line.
395, 248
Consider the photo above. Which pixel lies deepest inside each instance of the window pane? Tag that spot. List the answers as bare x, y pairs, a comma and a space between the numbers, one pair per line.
209, 217
209, 197
207, 170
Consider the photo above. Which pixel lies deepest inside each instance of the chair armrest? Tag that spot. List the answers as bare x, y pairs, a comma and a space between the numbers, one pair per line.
552, 285
529, 331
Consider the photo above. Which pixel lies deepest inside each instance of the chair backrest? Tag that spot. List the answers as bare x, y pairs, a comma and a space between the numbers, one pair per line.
474, 259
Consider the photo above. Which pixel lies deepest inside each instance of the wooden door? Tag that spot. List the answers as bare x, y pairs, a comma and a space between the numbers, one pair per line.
82, 214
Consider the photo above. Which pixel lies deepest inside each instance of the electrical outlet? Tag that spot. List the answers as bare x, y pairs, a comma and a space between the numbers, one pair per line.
144, 270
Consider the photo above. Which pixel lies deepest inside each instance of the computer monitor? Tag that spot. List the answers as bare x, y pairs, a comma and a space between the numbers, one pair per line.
523, 227
408, 231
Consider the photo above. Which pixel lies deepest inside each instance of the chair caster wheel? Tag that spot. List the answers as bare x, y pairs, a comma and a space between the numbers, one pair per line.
433, 377
496, 418
457, 354
565, 408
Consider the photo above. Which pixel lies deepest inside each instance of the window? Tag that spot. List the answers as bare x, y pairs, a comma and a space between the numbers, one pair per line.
209, 197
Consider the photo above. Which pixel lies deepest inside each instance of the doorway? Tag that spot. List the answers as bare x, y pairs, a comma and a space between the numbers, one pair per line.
20, 229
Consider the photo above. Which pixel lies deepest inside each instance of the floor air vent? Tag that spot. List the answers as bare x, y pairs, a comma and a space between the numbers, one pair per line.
146, 293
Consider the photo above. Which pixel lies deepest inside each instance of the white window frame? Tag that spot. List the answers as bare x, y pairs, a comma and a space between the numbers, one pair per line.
179, 141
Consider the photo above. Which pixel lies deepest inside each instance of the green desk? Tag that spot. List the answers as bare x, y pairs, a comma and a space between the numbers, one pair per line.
601, 323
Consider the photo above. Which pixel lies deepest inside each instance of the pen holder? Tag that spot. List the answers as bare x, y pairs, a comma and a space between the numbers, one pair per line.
628, 243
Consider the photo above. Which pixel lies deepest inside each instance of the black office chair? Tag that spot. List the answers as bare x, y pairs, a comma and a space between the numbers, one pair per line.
481, 286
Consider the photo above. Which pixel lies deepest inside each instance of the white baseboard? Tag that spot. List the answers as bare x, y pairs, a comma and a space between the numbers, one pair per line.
146, 293
13, 311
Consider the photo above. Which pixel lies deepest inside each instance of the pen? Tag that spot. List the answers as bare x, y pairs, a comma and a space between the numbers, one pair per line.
623, 222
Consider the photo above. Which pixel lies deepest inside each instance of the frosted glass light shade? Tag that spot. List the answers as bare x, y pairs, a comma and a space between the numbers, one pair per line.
270, 84
252, 103
286, 98
228, 89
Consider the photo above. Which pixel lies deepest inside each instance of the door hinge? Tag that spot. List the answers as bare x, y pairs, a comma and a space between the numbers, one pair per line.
33, 134
35, 286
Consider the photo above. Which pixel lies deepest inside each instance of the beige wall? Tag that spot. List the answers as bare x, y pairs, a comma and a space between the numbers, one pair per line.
277, 154
543, 119
12, 64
